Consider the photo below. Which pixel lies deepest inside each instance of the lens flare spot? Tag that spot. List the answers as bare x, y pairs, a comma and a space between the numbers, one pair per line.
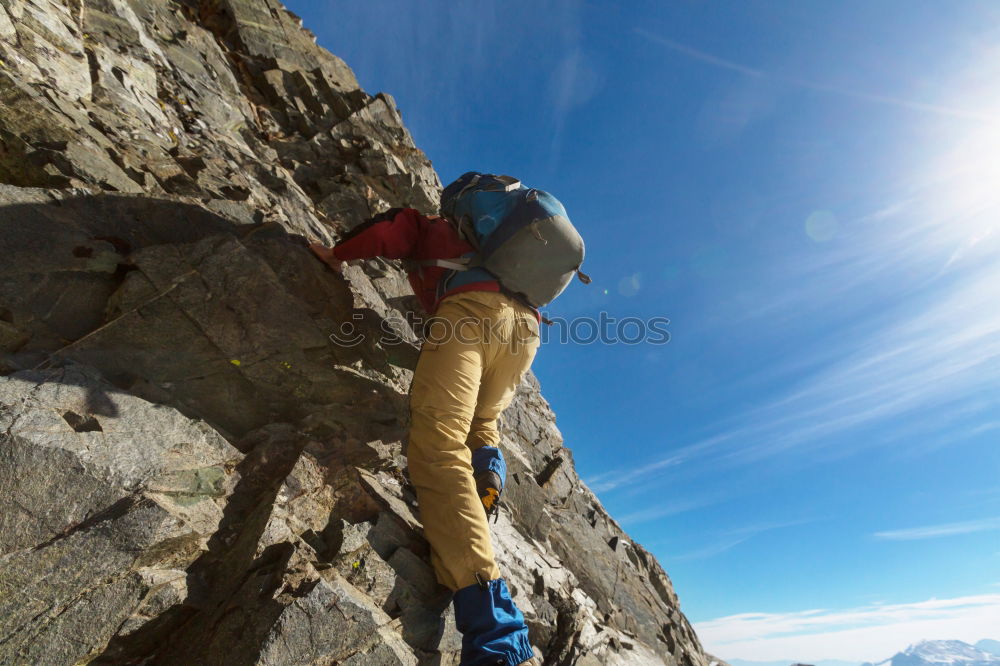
630, 284
822, 225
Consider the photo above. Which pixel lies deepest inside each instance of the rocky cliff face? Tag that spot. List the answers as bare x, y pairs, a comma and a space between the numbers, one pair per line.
192, 470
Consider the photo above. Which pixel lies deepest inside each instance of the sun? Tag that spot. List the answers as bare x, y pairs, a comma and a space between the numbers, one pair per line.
958, 176
967, 177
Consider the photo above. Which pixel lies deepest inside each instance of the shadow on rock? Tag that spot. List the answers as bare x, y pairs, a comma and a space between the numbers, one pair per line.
230, 606
229, 323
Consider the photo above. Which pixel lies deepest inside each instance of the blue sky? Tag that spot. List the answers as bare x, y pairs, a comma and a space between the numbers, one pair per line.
810, 192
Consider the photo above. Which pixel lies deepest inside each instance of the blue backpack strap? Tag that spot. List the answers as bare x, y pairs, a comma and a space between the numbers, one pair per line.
459, 278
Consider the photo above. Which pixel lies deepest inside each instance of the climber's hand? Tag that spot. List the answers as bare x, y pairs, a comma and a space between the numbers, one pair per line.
325, 254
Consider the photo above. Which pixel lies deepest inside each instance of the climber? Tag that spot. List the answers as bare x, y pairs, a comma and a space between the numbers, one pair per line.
479, 342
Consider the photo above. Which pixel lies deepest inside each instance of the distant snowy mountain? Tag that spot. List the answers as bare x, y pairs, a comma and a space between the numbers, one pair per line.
786, 662
926, 653
988, 645
942, 653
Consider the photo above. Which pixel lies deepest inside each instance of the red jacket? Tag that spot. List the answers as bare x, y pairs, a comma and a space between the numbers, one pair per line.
410, 235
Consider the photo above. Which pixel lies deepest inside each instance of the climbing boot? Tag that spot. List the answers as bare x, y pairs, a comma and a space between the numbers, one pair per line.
493, 629
490, 471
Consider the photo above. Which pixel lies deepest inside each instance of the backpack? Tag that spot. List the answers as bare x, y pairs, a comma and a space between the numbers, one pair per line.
523, 237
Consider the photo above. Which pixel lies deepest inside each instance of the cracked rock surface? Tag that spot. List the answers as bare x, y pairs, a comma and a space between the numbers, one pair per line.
195, 467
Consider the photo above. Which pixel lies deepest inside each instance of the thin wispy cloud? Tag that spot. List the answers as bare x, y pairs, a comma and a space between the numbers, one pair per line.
702, 56
869, 633
635, 475
668, 508
887, 211
732, 538
759, 528
932, 361
613, 479
573, 82
984, 427
941, 353
939, 531
723, 63
708, 551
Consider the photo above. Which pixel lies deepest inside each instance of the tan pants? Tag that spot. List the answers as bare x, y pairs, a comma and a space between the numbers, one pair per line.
479, 345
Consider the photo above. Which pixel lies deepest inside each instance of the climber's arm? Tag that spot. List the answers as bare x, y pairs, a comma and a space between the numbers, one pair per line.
395, 238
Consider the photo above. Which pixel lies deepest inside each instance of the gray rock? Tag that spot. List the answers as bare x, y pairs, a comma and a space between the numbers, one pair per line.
8, 32
355, 537
333, 622
104, 491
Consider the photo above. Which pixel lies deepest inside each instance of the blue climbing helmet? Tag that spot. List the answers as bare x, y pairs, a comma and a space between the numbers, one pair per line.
522, 236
